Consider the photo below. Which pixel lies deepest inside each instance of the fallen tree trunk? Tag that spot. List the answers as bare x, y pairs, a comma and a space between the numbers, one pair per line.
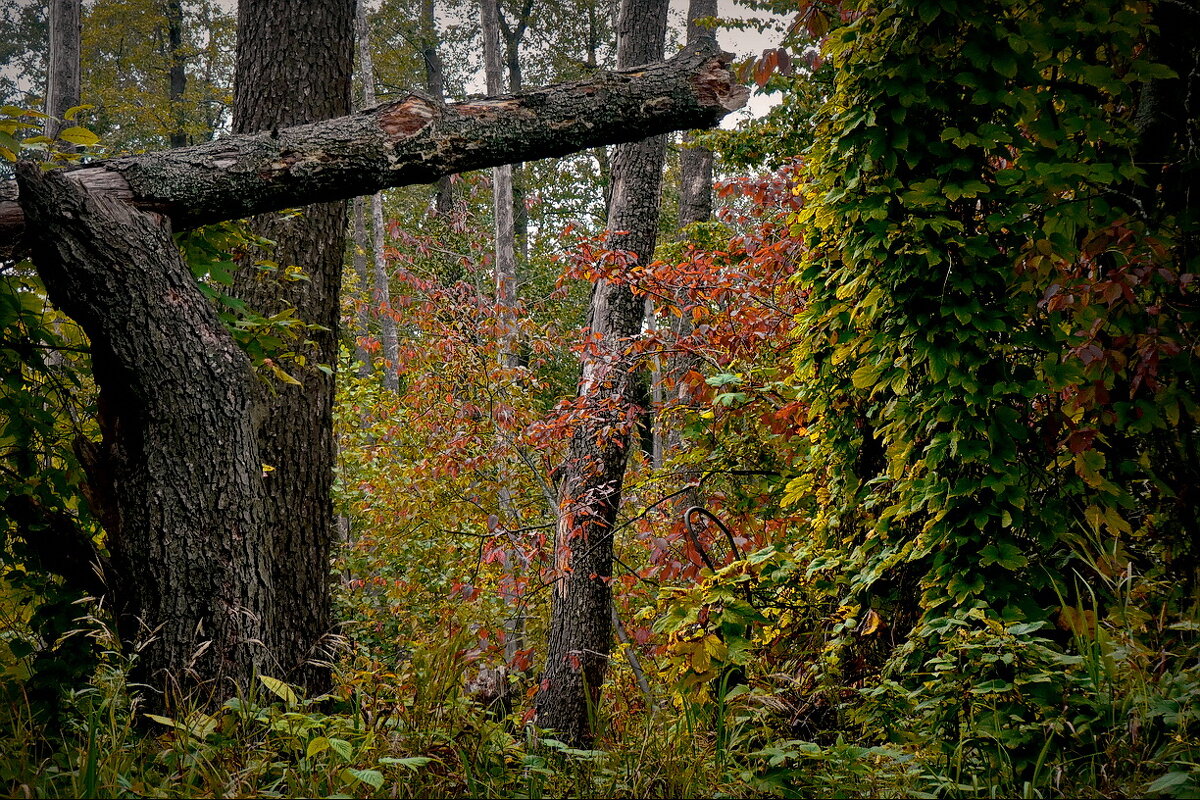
414, 140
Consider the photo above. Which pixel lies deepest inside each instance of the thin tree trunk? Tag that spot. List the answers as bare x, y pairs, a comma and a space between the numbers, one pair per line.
381, 289
603, 168
63, 75
177, 480
695, 205
591, 478
696, 163
294, 66
362, 313
635, 663
505, 268
435, 83
502, 187
513, 36
177, 74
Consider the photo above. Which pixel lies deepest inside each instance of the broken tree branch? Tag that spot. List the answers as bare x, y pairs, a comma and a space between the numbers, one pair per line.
414, 140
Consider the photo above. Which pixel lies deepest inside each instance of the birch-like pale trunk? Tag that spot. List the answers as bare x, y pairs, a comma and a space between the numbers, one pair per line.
381, 295
505, 270
362, 297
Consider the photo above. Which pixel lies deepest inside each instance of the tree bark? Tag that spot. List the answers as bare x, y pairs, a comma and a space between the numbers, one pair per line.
294, 66
63, 74
696, 163
178, 477
381, 295
177, 73
591, 478
415, 140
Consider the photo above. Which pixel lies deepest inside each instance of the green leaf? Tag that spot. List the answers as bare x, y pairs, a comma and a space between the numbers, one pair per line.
17, 111
724, 379
866, 376
9, 146
317, 746
1171, 780
371, 777
170, 723
412, 762
20, 648
1004, 554
342, 748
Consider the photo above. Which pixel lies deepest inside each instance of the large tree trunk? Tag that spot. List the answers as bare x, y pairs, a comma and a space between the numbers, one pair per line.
177, 480
63, 73
591, 478
414, 140
381, 294
294, 66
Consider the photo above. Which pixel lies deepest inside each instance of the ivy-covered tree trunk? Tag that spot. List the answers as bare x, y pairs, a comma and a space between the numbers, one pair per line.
998, 346
177, 481
591, 478
294, 66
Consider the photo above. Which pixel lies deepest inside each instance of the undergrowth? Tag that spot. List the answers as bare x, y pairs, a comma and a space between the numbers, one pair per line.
1104, 710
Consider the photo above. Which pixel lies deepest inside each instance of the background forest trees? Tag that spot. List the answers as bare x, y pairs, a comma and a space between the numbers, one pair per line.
920, 515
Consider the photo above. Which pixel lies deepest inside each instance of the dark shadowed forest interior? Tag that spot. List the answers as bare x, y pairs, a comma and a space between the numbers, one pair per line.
600, 398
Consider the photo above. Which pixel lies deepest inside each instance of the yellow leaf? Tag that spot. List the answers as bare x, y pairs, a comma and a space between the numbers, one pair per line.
279, 689
78, 135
